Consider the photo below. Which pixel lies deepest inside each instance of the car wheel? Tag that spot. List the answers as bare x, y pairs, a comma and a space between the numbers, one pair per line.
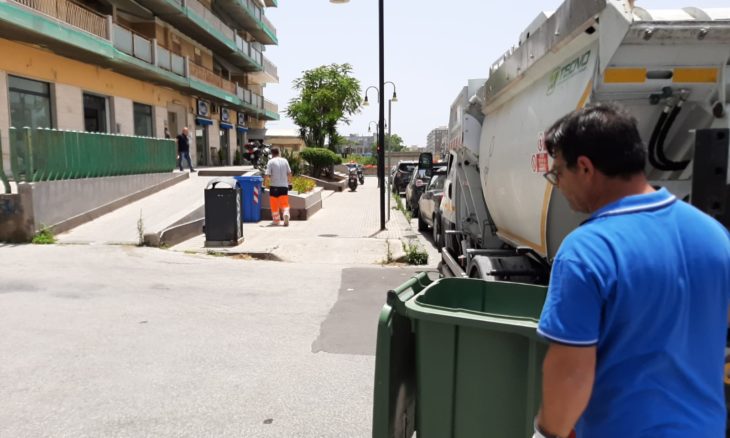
422, 225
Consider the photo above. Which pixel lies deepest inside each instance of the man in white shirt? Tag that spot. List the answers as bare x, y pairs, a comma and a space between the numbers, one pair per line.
278, 179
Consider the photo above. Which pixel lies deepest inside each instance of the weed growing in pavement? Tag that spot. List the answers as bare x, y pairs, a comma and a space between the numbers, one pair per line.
388, 253
140, 230
415, 255
399, 205
44, 236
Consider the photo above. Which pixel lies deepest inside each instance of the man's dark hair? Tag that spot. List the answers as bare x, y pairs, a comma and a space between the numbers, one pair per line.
605, 133
275, 152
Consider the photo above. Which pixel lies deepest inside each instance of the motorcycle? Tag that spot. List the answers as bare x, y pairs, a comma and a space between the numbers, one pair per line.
352, 180
360, 175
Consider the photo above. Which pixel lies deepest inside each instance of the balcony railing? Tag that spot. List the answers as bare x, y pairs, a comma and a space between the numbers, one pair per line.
268, 23
271, 106
71, 13
170, 61
250, 97
208, 16
211, 77
132, 43
270, 68
248, 49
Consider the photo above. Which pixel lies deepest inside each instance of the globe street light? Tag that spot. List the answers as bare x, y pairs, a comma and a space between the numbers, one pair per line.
381, 111
389, 148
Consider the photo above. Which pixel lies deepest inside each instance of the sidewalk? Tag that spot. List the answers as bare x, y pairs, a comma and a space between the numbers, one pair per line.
345, 231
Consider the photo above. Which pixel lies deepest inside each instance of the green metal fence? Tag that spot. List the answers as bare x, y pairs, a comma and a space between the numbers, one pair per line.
3, 177
49, 154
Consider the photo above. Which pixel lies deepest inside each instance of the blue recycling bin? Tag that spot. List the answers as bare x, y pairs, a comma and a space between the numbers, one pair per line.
250, 197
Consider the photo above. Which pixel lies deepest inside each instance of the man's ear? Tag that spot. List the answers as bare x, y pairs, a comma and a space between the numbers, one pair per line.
585, 166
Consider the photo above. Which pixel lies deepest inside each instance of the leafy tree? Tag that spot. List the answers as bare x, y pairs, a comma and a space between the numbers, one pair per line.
394, 143
327, 95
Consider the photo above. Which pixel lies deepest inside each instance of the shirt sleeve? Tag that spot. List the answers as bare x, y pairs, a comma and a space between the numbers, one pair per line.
288, 168
268, 168
572, 311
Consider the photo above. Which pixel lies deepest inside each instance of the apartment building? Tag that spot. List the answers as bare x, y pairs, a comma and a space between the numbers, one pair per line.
139, 67
437, 140
360, 144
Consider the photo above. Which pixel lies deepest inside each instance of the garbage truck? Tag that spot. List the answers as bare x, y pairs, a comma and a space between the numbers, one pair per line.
459, 356
499, 217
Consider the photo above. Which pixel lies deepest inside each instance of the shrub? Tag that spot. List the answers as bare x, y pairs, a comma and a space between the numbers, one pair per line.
44, 237
361, 159
320, 160
295, 161
302, 185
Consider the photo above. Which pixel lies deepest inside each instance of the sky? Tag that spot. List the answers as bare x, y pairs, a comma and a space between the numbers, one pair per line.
432, 47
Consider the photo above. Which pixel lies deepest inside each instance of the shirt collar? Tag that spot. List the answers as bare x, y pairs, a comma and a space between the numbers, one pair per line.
635, 203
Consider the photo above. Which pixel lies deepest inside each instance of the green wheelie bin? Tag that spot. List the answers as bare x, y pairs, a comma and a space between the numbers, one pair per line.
458, 358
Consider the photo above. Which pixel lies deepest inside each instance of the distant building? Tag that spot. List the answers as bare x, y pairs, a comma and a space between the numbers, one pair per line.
285, 139
360, 144
140, 67
437, 140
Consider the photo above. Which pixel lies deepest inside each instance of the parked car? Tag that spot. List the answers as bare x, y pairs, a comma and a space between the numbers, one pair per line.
402, 175
417, 185
428, 207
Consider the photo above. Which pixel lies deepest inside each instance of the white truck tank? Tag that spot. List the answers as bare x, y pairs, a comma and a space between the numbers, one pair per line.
593, 51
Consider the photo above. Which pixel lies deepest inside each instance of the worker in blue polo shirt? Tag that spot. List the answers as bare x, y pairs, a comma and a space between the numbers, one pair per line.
637, 308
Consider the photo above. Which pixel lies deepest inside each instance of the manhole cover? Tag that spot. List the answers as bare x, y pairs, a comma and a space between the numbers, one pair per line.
328, 235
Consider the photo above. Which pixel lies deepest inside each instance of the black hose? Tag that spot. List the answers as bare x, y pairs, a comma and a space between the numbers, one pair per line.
661, 156
654, 135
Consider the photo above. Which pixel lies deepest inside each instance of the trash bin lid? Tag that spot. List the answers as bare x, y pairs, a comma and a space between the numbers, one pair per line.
212, 184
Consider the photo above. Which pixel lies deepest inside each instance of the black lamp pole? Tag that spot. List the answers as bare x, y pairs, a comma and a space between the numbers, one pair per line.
381, 118
381, 115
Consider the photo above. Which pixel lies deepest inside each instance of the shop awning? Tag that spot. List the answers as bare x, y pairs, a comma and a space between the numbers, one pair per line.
203, 121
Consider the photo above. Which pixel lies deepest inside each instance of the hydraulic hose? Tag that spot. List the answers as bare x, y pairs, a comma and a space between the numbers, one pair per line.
654, 136
661, 156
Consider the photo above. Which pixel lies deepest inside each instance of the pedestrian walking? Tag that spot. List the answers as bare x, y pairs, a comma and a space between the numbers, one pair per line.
183, 149
637, 307
278, 179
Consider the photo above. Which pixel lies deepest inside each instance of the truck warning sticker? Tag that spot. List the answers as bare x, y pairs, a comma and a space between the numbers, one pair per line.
540, 160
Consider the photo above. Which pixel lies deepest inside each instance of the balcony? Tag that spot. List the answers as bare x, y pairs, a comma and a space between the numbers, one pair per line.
252, 18
272, 3
75, 32
72, 14
269, 75
205, 75
200, 23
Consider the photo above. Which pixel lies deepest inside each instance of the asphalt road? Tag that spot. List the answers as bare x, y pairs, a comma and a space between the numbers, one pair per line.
112, 341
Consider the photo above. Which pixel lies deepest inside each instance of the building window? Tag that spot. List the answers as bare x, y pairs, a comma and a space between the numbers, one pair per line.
95, 113
143, 120
30, 103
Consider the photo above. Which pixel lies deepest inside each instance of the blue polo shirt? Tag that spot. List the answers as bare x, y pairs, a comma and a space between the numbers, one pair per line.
646, 280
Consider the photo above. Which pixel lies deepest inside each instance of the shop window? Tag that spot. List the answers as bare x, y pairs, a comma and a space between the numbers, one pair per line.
143, 125
30, 103
95, 113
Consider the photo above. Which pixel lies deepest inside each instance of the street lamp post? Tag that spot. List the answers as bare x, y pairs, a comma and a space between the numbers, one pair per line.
381, 111
389, 148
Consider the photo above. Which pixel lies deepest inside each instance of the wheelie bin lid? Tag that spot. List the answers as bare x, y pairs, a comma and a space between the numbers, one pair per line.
213, 184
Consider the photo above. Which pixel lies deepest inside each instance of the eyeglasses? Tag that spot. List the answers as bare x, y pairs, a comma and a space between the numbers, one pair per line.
552, 176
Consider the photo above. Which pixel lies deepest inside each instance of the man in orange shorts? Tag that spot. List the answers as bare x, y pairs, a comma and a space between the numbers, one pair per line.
278, 179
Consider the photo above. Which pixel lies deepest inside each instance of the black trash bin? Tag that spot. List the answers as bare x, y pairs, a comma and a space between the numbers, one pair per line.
223, 226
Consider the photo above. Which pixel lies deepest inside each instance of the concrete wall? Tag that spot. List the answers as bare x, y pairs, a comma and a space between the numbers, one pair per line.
68, 112
56, 201
123, 115
4, 121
